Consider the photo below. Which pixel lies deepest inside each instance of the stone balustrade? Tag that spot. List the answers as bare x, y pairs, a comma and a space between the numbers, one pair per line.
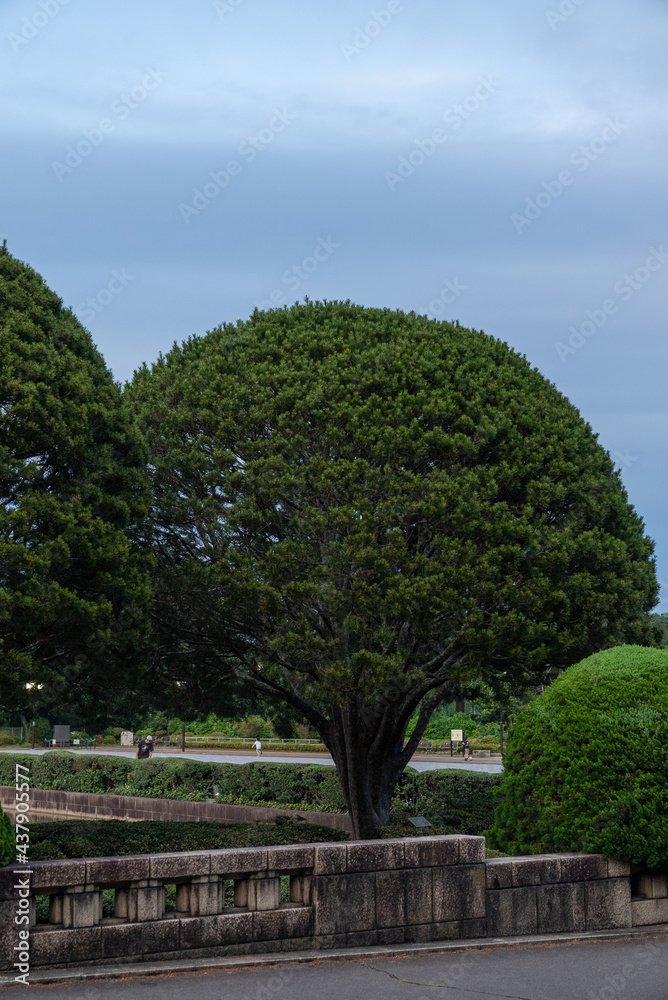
363, 893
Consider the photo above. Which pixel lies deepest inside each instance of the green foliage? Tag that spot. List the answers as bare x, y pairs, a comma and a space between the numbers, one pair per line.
454, 801
73, 585
113, 838
586, 763
305, 786
7, 839
361, 509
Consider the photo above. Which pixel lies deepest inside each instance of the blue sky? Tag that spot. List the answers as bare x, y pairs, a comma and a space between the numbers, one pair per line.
168, 165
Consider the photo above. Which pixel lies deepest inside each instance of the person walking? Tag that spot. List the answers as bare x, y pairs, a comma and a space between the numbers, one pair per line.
258, 747
466, 744
145, 748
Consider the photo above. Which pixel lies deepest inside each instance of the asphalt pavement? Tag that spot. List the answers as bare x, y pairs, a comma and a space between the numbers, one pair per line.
636, 969
239, 757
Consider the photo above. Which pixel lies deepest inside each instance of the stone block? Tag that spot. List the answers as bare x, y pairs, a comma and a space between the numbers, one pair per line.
301, 889
345, 903
176, 866
473, 929
536, 870
234, 928
57, 874
290, 858
511, 912
471, 850
122, 940
360, 939
239, 861
431, 852
260, 893
159, 936
329, 941
201, 896
390, 935
53, 948
608, 904
276, 925
458, 892
645, 912
583, 867
140, 902
134, 868
618, 869
81, 906
330, 859
198, 932
391, 899
375, 855
499, 873
561, 907
419, 896
651, 886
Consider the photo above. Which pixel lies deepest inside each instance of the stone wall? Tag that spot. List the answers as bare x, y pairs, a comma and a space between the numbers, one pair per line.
361, 893
50, 804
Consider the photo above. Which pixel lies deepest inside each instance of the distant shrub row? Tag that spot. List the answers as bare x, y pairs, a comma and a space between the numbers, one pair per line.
454, 801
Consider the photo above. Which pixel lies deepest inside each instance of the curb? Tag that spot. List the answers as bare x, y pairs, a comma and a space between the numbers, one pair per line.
136, 970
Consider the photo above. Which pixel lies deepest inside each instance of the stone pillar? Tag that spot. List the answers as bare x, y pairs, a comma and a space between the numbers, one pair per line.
258, 892
77, 906
144, 900
200, 897
301, 889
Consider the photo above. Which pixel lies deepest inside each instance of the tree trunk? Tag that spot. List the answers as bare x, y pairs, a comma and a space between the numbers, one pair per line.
368, 770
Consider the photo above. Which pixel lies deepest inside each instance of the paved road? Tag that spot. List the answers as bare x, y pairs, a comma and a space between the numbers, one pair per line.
601, 970
239, 757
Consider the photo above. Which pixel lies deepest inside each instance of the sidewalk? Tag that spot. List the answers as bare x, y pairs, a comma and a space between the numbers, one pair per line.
595, 966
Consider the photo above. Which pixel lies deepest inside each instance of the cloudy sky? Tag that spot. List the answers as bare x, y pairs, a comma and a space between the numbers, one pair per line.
168, 165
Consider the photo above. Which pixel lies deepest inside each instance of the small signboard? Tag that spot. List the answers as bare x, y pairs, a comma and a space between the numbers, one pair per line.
419, 821
456, 735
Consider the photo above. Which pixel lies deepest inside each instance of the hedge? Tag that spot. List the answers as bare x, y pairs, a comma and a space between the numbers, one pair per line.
586, 763
105, 838
454, 801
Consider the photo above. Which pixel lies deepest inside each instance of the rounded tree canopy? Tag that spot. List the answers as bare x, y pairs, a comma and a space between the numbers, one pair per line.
585, 768
73, 486
372, 499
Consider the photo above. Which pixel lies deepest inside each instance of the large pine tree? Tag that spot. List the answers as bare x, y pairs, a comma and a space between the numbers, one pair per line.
73, 582
358, 511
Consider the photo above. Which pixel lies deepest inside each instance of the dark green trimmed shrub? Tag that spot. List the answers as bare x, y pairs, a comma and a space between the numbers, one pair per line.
7, 840
113, 838
454, 801
586, 765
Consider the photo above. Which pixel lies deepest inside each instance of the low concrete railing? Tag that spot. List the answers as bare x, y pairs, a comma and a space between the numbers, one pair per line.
228, 902
51, 804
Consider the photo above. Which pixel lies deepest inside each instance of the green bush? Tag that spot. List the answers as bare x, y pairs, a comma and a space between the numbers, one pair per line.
454, 801
7, 841
105, 838
586, 763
